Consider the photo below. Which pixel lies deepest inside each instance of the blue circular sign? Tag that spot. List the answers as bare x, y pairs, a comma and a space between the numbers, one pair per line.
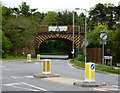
92, 67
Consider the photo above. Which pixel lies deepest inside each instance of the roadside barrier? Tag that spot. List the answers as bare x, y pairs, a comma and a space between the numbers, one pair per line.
28, 57
90, 72
46, 66
38, 57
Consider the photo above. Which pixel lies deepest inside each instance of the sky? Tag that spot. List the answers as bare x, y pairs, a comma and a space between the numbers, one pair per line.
58, 5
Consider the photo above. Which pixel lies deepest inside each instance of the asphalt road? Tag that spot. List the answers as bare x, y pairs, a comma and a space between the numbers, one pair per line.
18, 76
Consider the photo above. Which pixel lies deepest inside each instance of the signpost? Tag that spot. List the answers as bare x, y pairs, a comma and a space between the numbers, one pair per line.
108, 57
103, 36
85, 43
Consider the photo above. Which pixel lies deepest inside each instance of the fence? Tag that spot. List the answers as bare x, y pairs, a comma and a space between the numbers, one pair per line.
95, 54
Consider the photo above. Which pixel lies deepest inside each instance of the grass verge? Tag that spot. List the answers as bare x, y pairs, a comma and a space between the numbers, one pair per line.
97, 67
14, 58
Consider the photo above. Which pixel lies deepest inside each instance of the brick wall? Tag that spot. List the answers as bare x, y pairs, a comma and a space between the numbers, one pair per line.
28, 49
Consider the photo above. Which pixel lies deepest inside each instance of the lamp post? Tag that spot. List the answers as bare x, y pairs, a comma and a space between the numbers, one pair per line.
85, 29
73, 36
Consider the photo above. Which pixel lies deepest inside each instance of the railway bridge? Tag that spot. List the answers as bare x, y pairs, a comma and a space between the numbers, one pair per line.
64, 33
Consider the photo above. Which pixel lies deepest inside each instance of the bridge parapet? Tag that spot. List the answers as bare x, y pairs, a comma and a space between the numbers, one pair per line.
65, 29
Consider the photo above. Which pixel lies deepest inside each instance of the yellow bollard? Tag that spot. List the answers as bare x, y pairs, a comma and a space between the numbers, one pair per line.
90, 72
46, 66
28, 57
38, 57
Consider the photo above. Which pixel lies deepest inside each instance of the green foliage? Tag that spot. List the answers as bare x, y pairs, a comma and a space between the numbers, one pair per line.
57, 47
104, 13
6, 45
50, 18
10, 57
94, 36
20, 29
79, 64
116, 45
82, 58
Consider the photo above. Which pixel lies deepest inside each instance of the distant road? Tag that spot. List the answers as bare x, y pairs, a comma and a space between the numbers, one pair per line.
54, 56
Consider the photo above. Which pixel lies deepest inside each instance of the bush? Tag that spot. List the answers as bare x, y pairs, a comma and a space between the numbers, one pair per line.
82, 58
32, 56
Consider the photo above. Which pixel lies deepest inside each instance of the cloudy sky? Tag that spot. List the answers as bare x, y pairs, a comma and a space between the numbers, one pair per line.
57, 5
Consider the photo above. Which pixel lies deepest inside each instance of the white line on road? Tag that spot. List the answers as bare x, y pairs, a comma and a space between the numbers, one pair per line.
34, 86
2, 66
115, 86
25, 88
23, 83
106, 89
28, 76
11, 84
7, 69
16, 77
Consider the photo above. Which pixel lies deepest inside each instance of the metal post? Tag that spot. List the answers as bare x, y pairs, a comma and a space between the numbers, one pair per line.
103, 55
85, 33
111, 63
85, 30
73, 34
105, 62
78, 40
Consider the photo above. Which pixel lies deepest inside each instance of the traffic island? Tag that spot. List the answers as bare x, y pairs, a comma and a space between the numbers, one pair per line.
87, 84
46, 75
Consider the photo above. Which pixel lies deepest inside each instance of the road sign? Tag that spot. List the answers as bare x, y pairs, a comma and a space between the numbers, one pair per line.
92, 66
103, 42
85, 43
90, 72
107, 57
103, 36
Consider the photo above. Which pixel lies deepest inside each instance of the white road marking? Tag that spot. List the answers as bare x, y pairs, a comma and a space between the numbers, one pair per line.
25, 88
7, 69
34, 86
106, 89
99, 89
11, 84
23, 83
28, 76
115, 86
2, 66
16, 77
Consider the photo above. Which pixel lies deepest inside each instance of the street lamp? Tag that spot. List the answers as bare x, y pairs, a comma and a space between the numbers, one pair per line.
73, 35
85, 30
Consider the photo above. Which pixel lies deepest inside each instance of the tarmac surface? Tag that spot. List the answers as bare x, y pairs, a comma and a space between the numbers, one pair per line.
18, 76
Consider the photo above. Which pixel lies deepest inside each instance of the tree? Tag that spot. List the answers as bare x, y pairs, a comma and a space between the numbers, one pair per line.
23, 9
6, 45
21, 31
50, 18
115, 44
102, 14
94, 36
